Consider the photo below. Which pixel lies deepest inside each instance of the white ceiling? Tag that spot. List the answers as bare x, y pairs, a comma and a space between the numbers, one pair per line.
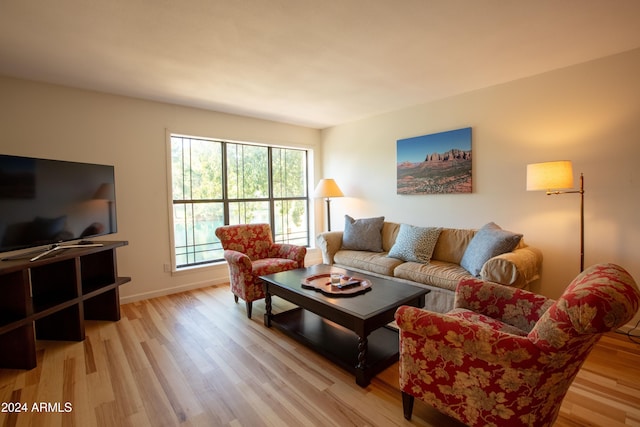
316, 63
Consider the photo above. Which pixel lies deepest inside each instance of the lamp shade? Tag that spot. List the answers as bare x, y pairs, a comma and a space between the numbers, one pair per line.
104, 192
550, 175
327, 188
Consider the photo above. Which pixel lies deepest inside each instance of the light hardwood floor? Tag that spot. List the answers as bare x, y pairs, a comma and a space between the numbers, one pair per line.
194, 359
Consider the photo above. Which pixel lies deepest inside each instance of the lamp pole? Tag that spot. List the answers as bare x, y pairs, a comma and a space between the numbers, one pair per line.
581, 192
581, 222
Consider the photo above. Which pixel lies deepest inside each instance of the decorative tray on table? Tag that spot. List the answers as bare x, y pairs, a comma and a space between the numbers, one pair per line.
348, 286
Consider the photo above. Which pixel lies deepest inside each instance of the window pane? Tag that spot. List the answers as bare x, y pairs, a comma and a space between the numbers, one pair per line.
194, 232
180, 163
196, 167
247, 171
289, 172
249, 212
291, 224
206, 169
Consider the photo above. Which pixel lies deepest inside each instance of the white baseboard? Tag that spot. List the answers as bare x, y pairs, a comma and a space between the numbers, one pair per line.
170, 291
313, 257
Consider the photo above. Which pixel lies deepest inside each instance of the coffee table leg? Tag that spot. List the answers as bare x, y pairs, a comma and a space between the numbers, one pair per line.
267, 315
362, 378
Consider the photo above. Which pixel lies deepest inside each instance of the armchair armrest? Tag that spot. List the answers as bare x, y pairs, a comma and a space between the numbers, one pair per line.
513, 306
517, 268
240, 268
288, 251
463, 337
329, 243
237, 260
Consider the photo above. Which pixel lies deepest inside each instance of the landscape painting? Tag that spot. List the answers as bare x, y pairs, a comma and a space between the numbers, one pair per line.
439, 163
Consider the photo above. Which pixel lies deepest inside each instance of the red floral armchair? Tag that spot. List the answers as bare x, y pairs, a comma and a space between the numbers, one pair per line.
505, 356
250, 252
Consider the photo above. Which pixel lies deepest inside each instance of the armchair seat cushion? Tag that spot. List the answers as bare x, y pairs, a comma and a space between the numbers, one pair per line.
261, 267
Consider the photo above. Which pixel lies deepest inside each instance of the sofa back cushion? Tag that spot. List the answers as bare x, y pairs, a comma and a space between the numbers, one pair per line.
452, 243
389, 233
450, 247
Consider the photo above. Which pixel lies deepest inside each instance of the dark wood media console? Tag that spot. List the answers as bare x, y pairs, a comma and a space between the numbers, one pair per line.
50, 298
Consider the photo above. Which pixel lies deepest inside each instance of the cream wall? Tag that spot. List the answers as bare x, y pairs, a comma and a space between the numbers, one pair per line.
589, 114
54, 122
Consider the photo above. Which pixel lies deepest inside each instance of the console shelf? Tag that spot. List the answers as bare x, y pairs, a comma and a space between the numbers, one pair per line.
52, 297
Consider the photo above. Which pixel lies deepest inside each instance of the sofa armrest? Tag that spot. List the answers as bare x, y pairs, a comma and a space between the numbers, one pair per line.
289, 251
513, 306
517, 268
329, 243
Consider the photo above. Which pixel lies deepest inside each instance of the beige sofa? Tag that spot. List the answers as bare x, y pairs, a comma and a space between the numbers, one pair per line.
442, 273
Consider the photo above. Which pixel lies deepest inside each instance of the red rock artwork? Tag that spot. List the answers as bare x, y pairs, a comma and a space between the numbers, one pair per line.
435, 164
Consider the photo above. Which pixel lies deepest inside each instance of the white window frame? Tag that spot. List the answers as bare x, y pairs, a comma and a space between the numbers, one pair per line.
271, 199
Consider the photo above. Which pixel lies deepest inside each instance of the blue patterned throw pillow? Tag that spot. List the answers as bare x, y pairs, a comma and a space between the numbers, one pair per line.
489, 241
415, 243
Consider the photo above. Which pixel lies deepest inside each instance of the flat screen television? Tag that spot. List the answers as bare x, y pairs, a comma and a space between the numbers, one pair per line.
45, 202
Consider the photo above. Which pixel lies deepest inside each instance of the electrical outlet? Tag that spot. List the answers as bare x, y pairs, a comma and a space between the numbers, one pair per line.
167, 268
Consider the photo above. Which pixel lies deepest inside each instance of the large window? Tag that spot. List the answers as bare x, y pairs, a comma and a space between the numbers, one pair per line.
222, 182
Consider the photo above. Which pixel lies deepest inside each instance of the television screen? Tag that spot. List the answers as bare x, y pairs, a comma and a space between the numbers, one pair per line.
44, 202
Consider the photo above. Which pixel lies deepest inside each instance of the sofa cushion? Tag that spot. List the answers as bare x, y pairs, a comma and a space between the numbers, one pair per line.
452, 243
489, 241
369, 261
364, 234
441, 274
415, 243
389, 233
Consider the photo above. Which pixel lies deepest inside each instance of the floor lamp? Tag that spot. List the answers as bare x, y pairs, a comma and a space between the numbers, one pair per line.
105, 192
328, 188
555, 178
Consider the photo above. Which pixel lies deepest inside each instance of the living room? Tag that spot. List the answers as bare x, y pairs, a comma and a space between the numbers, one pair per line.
585, 112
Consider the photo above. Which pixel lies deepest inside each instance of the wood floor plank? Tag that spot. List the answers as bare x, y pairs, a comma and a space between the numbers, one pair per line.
194, 359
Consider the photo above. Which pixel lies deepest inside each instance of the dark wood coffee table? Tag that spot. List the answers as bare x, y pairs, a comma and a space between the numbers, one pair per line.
350, 331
